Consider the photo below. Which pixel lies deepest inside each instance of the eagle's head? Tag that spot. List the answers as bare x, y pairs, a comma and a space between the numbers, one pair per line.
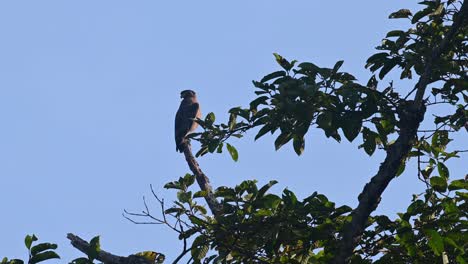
187, 94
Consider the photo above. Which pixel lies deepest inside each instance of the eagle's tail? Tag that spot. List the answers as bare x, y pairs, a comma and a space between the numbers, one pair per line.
181, 143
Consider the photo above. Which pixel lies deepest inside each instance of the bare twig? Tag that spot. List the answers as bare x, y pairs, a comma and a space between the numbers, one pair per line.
154, 220
436, 103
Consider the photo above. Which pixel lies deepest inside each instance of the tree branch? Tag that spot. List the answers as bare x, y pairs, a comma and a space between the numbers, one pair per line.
202, 179
425, 78
411, 114
370, 196
103, 256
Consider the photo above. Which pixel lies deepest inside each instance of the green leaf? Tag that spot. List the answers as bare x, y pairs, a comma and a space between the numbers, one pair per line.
200, 194
94, 248
199, 248
463, 195
196, 220
372, 83
269, 202
213, 145
436, 242
368, 107
273, 75
282, 139
289, 197
11, 261
210, 119
406, 73
298, 144
43, 256
344, 77
309, 68
450, 207
260, 100
435, 139
266, 187
81, 261
461, 259
324, 120
416, 207
187, 180
458, 185
443, 170
202, 151
150, 256
395, 33
15, 261
438, 183
426, 172
402, 13
173, 185
232, 151
219, 149
232, 121
42, 247
200, 209
337, 66
184, 197
383, 220
293, 62
283, 62
29, 239
265, 129
351, 125
377, 58
388, 66
277, 57
439, 10
174, 210
421, 14
369, 138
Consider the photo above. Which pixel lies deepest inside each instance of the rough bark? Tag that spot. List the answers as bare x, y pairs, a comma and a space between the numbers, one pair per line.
103, 256
411, 114
202, 179
370, 196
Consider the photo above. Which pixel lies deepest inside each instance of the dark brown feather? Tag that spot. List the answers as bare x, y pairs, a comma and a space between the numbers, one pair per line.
189, 109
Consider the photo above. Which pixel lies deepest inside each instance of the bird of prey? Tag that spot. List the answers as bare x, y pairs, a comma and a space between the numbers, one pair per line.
189, 110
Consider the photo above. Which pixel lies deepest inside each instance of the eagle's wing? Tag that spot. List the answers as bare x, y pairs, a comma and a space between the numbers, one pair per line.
184, 122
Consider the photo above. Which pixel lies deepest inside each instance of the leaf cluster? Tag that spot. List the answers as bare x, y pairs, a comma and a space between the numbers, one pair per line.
37, 253
433, 227
261, 227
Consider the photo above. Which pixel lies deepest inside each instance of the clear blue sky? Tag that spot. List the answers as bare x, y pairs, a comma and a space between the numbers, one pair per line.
89, 89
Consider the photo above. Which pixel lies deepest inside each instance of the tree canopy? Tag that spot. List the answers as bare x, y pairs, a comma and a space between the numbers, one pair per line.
249, 224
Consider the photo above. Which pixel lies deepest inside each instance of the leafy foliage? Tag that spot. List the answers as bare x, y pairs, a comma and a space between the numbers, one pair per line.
257, 226
430, 229
295, 98
37, 253
261, 227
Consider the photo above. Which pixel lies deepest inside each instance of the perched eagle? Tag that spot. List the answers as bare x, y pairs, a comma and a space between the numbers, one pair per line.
189, 110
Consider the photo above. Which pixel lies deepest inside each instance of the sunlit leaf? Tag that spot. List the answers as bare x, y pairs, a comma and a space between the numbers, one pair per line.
29, 239
402, 13
232, 151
